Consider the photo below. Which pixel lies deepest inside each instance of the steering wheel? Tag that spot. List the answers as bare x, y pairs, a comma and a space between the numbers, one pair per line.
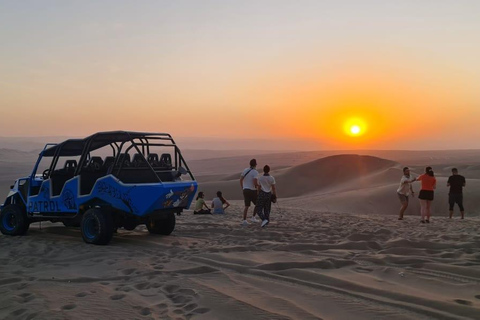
45, 174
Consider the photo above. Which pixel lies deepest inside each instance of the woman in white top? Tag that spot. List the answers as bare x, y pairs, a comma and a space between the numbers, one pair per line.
218, 203
266, 188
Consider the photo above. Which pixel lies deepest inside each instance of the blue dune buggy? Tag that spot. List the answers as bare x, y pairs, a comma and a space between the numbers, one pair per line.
106, 181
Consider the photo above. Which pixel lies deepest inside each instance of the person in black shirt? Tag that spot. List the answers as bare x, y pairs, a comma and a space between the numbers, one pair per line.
456, 183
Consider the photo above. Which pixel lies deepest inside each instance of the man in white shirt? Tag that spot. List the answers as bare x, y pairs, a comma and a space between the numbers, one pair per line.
248, 182
404, 190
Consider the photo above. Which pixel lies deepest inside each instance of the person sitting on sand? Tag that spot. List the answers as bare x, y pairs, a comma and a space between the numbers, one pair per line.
405, 190
200, 205
218, 204
266, 188
456, 183
426, 194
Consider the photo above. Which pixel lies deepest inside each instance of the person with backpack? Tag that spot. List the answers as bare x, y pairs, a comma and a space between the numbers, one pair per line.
248, 183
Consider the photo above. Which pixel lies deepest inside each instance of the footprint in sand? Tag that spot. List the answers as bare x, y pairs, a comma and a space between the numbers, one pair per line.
104, 283
201, 310
170, 288
117, 297
69, 306
190, 307
463, 302
188, 292
477, 296
81, 294
142, 286
145, 312
18, 312
162, 306
27, 297
128, 271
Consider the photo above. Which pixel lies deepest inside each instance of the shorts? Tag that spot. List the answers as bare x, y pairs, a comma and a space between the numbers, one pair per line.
425, 195
455, 198
250, 196
403, 198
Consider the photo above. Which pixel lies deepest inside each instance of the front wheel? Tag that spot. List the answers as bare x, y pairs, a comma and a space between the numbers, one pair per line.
97, 226
162, 226
14, 221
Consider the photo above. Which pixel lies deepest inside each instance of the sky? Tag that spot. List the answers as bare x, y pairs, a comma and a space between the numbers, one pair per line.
400, 74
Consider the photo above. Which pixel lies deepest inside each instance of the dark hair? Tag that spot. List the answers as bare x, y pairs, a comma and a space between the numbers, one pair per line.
266, 168
200, 195
219, 195
253, 163
405, 169
454, 170
429, 171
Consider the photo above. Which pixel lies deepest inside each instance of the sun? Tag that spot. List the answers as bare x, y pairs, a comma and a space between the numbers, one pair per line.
355, 130
355, 127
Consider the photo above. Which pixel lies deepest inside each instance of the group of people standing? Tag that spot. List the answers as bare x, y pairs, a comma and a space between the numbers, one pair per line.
456, 183
258, 189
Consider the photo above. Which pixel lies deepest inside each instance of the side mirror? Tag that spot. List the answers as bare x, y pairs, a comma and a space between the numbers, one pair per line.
11, 187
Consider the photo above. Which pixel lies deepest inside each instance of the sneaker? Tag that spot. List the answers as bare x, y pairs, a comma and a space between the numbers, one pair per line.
264, 223
422, 221
244, 223
400, 218
427, 221
253, 219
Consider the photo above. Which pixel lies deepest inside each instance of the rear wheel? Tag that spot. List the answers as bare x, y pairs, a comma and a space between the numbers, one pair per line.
162, 226
14, 221
97, 226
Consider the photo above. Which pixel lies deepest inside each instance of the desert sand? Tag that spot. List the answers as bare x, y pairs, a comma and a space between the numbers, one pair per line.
304, 265
333, 250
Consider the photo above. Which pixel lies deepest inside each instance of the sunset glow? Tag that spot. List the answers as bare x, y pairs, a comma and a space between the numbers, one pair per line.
331, 76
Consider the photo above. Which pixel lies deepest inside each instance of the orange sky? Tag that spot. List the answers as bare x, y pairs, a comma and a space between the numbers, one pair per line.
245, 71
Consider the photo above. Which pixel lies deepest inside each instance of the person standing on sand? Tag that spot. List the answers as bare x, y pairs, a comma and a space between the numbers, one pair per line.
248, 182
405, 190
266, 188
426, 194
456, 183
218, 202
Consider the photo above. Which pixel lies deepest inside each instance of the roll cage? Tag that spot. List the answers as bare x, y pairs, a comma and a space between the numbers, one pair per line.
146, 167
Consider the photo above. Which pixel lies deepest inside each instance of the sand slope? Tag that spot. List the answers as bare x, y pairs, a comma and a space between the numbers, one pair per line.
304, 265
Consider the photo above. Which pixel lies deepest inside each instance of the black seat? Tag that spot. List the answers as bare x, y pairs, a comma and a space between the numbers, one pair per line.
124, 160
166, 161
59, 177
139, 160
70, 166
108, 162
153, 159
95, 164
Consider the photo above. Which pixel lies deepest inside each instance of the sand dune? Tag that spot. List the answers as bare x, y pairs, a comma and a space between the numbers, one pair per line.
305, 265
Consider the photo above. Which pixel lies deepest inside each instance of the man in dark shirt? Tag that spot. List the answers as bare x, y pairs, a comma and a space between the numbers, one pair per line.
456, 183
